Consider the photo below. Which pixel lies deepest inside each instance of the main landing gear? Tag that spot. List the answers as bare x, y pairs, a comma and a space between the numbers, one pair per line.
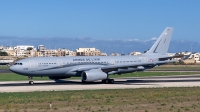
83, 81
30, 80
108, 81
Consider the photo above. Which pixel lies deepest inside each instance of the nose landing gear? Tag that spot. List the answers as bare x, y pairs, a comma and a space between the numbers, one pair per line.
30, 80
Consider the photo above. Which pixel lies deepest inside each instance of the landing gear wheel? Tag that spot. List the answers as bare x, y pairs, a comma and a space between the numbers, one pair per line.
31, 82
83, 81
108, 81
103, 81
112, 81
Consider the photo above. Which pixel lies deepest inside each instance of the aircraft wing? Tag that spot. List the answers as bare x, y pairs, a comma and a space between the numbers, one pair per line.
109, 68
135, 65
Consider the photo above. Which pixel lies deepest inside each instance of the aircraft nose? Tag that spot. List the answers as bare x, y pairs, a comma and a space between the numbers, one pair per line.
12, 68
16, 69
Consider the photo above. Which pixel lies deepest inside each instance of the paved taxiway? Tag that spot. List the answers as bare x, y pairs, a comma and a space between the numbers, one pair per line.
121, 83
5, 71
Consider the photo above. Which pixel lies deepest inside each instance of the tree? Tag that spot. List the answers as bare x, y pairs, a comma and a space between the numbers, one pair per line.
29, 48
3, 53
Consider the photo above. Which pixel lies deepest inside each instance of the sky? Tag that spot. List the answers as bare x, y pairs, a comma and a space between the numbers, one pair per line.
100, 19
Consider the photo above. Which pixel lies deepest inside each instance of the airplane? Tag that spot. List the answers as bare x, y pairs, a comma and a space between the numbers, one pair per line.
94, 68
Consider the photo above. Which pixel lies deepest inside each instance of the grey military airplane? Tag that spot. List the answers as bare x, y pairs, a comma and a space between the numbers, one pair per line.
93, 68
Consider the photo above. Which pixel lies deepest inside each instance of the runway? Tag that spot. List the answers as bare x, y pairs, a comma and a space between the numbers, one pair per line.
5, 71
120, 83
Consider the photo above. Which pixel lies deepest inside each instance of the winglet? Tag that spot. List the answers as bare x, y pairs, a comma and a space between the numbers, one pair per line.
162, 43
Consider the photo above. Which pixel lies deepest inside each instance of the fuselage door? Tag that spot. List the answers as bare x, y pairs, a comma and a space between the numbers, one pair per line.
31, 64
59, 63
112, 61
145, 59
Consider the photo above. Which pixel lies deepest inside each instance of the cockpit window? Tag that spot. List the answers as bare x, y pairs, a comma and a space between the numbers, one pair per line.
18, 64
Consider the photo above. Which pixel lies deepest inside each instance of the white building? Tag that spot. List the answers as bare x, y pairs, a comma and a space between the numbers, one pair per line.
21, 50
114, 54
69, 52
87, 52
23, 47
1, 48
103, 54
135, 53
196, 57
185, 53
7, 48
41, 48
85, 49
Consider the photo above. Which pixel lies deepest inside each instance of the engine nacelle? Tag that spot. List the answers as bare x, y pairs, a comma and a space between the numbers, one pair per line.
58, 77
93, 75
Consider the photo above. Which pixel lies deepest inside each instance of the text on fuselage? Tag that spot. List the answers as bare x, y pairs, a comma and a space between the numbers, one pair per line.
87, 59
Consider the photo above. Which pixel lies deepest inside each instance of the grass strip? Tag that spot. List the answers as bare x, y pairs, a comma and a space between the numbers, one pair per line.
137, 100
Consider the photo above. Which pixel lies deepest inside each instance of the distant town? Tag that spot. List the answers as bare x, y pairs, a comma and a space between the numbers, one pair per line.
41, 51
9, 54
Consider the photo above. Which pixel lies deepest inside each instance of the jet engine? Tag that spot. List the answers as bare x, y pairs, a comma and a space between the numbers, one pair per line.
93, 75
58, 77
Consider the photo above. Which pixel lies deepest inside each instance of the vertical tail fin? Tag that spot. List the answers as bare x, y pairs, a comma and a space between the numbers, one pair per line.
162, 43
